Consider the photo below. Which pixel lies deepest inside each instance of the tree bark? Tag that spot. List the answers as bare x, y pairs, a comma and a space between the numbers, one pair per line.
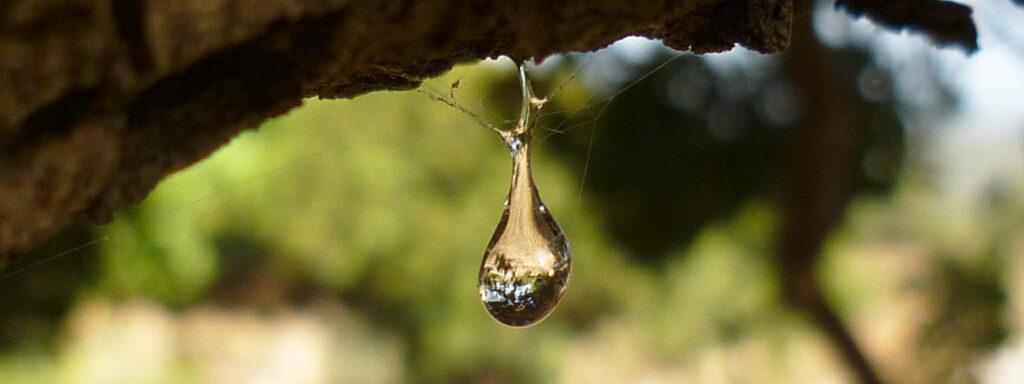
101, 99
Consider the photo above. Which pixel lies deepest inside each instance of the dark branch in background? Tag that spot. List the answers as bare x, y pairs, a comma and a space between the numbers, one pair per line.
818, 173
946, 23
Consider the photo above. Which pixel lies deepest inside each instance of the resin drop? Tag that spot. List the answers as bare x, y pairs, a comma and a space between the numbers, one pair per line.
526, 265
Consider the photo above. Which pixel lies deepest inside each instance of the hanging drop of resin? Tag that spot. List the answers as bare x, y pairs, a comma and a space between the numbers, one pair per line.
526, 265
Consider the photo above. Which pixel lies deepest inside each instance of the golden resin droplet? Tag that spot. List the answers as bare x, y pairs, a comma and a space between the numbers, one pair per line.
526, 266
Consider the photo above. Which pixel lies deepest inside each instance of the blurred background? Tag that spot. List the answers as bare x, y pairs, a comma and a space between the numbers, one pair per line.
733, 218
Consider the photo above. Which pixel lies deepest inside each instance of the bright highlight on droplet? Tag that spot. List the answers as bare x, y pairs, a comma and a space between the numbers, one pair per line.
526, 266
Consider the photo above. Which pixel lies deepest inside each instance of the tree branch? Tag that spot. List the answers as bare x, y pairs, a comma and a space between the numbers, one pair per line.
820, 165
946, 23
101, 99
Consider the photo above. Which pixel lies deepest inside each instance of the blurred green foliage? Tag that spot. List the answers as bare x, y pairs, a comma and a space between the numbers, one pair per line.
368, 219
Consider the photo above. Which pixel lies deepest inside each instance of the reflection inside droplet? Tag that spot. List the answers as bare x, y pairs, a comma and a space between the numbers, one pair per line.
526, 265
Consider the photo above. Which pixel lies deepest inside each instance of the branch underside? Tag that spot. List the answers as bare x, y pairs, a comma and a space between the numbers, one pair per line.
101, 99
157, 86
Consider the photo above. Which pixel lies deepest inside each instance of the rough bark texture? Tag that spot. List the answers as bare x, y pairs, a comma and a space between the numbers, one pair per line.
101, 99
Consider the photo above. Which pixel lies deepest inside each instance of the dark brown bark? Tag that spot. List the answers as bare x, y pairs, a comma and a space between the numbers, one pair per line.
101, 99
945, 22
